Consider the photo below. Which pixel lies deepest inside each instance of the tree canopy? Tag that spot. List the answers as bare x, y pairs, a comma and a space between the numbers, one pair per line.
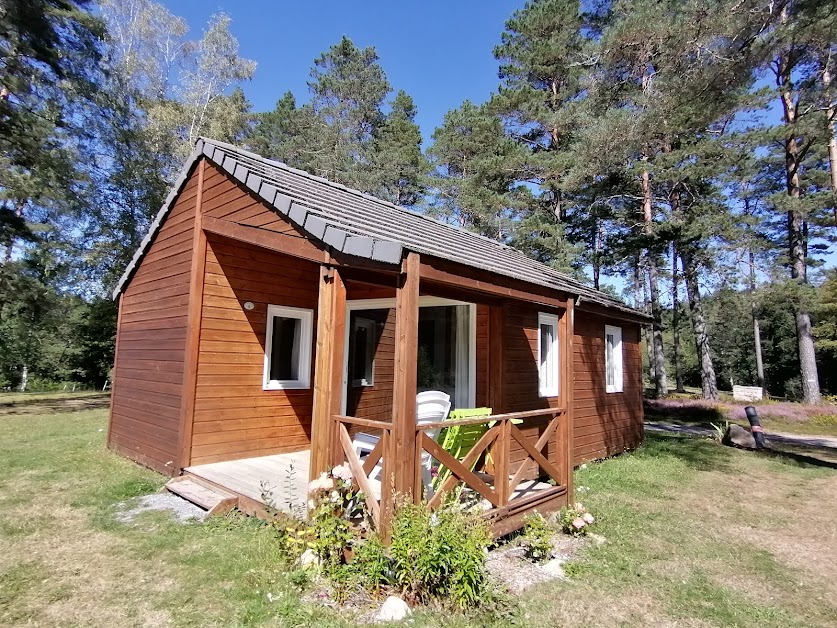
681, 155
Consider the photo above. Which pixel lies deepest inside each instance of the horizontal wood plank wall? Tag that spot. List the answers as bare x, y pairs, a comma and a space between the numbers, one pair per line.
375, 402
234, 417
148, 374
225, 198
482, 356
520, 372
605, 423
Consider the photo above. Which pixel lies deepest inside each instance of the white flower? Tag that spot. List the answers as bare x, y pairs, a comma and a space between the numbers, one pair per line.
322, 483
578, 523
342, 472
588, 518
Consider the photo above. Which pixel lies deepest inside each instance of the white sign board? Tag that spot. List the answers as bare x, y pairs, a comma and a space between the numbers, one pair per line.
747, 393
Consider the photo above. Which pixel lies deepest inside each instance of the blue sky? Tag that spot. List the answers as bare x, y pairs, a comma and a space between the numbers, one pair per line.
439, 52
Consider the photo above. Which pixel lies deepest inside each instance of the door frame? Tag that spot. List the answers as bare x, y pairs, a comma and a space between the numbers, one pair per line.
424, 301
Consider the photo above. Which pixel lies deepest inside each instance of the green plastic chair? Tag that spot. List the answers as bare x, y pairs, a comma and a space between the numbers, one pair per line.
458, 440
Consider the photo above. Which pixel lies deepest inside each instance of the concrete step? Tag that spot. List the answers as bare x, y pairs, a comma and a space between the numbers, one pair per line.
211, 498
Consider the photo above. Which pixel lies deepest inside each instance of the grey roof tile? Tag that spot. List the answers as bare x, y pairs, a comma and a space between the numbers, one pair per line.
357, 224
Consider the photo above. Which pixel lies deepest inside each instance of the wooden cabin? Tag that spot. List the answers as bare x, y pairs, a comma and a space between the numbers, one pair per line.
270, 315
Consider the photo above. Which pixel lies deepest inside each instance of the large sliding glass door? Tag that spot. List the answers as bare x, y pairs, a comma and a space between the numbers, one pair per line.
446, 354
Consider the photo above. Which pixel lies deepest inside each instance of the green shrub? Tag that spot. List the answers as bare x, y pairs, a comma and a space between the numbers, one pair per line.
371, 565
537, 537
440, 555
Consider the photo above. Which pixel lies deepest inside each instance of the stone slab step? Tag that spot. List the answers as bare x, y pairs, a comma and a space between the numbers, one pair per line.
211, 498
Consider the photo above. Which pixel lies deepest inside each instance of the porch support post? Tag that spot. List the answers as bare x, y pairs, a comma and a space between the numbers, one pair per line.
405, 380
567, 388
193, 327
328, 371
496, 384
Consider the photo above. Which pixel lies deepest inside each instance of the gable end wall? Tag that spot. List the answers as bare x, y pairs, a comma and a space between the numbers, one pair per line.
151, 341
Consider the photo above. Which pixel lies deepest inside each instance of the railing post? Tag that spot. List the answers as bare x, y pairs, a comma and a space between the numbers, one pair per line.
501, 463
387, 481
567, 465
328, 371
404, 393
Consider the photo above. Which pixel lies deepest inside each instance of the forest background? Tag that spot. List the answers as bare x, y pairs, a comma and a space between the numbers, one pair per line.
684, 149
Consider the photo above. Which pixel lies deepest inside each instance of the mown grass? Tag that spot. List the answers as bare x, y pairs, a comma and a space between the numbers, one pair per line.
697, 534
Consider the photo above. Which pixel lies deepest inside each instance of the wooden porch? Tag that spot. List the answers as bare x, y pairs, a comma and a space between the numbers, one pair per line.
522, 462
256, 485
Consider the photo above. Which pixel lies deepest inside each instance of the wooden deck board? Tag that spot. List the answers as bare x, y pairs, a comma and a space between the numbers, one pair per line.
246, 476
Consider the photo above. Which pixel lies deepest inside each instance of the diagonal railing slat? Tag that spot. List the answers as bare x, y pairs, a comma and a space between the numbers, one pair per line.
543, 440
468, 461
359, 475
458, 469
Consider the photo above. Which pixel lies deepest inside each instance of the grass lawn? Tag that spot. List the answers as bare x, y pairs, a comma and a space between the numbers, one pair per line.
698, 535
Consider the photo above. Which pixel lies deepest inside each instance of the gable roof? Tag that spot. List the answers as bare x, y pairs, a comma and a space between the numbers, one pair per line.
361, 225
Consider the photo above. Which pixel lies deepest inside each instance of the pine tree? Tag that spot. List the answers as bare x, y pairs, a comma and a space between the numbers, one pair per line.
348, 87
469, 188
397, 162
791, 49
49, 64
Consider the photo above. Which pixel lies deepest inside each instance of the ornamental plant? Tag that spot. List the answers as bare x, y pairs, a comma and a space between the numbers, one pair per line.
333, 504
537, 538
575, 520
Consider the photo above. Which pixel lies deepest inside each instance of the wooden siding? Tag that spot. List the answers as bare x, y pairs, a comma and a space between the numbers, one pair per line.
520, 375
482, 356
234, 416
149, 367
605, 423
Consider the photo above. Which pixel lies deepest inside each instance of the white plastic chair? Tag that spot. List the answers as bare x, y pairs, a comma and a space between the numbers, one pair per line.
431, 406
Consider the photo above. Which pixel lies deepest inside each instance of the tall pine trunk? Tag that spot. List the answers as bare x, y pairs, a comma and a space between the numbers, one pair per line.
756, 324
642, 296
708, 381
675, 320
658, 351
831, 129
797, 244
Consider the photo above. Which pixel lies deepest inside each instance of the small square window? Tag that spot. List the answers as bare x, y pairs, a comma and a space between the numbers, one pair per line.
613, 359
364, 340
548, 355
287, 359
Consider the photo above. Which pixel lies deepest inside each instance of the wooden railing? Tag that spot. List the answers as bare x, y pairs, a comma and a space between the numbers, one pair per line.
497, 441
378, 502
495, 444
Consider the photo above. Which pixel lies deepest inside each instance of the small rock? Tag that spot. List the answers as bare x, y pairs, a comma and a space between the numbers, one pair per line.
393, 609
737, 436
553, 568
309, 558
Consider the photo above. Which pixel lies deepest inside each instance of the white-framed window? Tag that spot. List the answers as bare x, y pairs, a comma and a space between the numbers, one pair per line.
613, 359
364, 331
287, 355
548, 365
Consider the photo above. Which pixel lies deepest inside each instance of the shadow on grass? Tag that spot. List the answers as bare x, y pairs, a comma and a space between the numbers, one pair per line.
701, 454
798, 459
687, 413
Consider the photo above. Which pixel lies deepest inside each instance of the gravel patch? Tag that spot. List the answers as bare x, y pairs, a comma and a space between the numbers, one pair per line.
182, 510
509, 565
